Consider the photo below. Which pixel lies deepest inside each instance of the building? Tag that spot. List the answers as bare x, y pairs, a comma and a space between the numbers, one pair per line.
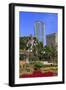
39, 28
52, 39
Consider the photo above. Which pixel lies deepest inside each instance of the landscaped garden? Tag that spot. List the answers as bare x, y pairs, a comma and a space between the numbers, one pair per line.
38, 70
37, 60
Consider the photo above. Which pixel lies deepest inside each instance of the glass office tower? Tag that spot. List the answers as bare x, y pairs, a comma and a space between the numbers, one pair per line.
39, 28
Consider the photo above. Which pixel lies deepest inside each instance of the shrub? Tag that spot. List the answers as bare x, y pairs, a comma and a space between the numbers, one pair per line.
38, 65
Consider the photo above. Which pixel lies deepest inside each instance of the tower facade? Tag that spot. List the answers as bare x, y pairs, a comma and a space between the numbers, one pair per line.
52, 39
39, 31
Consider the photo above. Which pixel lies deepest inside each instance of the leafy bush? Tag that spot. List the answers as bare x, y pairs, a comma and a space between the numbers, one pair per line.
38, 65
22, 56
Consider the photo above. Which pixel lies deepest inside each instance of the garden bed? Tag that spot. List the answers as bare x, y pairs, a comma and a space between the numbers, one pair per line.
38, 74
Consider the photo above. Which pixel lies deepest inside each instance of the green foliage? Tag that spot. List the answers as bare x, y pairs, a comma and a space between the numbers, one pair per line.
38, 51
33, 59
54, 54
28, 70
51, 53
22, 56
38, 65
23, 42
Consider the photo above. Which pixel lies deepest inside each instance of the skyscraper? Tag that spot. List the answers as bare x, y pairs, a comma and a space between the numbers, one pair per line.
39, 31
52, 39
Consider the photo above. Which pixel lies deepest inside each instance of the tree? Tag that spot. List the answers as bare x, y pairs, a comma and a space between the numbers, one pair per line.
23, 42
51, 53
54, 54
47, 54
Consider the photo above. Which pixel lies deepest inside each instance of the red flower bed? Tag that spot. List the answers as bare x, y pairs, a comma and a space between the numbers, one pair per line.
38, 74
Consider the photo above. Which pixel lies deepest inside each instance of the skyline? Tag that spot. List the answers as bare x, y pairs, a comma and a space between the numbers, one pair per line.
27, 20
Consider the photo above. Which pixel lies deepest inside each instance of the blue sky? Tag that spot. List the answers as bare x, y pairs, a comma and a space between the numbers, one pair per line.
27, 20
